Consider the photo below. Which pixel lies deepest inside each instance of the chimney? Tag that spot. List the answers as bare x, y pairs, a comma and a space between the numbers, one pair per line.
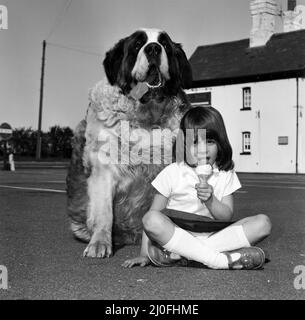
263, 14
294, 18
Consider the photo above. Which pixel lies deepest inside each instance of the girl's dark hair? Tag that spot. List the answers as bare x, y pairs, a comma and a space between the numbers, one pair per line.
210, 119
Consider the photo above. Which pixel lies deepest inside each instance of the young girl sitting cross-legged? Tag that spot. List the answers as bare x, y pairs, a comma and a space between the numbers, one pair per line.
178, 188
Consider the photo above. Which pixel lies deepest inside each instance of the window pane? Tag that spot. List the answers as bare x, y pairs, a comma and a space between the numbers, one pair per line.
246, 98
246, 141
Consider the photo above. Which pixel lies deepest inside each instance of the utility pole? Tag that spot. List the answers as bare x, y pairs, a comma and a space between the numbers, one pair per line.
297, 131
38, 145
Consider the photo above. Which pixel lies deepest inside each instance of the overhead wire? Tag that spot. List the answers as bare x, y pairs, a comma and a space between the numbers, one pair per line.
74, 49
59, 18
57, 22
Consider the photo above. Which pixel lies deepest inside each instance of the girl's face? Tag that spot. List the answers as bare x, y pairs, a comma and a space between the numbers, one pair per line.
204, 151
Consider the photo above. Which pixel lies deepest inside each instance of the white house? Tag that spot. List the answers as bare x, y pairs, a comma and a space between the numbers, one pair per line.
258, 85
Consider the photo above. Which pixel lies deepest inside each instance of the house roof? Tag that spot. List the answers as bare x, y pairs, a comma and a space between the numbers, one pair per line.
235, 62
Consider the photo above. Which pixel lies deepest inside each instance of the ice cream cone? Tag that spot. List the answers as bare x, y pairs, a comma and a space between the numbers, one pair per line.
203, 171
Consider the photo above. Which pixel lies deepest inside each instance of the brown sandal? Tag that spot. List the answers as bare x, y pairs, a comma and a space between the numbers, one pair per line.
251, 258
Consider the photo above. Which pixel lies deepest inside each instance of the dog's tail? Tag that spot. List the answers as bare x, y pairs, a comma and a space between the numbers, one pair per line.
80, 231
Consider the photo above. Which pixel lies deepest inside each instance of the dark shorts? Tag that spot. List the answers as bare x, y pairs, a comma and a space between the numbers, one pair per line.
195, 223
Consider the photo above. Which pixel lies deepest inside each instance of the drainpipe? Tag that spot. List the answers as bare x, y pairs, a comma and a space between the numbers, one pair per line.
297, 130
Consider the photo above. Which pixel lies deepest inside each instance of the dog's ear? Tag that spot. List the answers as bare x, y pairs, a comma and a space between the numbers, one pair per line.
185, 70
113, 61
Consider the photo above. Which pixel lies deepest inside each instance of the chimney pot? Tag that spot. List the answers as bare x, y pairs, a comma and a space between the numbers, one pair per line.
294, 20
291, 5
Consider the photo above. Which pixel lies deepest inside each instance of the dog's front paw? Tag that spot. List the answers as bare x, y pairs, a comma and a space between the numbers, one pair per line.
98, 250
100, 246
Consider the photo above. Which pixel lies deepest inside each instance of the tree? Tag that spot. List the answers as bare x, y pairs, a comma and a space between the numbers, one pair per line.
54, 143
60, 139
22, 141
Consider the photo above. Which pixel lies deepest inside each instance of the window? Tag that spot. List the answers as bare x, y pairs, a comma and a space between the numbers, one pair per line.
246, 99
246, 142
283, 140
200, 99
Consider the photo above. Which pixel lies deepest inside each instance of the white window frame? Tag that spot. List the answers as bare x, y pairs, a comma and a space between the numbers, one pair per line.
246, 142
247, 97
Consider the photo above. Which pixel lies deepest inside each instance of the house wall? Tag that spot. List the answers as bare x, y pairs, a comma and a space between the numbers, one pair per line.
272, 115
301, 165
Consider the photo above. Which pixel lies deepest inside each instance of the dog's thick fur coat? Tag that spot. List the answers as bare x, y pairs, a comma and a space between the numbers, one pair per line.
106, 199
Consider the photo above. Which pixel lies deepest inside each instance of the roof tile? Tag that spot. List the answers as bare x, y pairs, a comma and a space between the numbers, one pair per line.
231, 62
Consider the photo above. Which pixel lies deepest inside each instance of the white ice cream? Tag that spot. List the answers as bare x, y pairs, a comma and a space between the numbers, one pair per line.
204, 169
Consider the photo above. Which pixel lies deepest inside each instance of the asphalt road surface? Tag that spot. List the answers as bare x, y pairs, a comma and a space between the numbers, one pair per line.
44, 261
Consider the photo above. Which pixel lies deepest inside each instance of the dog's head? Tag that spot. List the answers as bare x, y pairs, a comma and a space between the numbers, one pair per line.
151, 57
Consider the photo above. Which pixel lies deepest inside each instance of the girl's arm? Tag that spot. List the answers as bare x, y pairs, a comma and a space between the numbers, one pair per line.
142, 260
143, 252
220, 210
159, 202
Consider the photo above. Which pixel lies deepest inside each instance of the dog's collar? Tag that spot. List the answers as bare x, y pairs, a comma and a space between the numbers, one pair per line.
139, 90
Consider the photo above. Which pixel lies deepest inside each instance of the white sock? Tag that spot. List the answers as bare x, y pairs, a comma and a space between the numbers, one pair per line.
230, 238
186, 245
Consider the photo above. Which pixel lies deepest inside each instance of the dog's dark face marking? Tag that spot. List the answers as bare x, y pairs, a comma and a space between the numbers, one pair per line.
148, 56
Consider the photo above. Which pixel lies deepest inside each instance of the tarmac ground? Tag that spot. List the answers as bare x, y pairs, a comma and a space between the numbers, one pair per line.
44, 261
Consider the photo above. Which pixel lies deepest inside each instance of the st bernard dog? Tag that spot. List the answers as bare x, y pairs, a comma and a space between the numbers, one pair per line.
141, 99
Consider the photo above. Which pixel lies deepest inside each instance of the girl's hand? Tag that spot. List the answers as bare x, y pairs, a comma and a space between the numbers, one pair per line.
141, 261
204, 192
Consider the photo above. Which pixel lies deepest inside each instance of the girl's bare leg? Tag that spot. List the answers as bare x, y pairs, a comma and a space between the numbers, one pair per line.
158, 227
256, 228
